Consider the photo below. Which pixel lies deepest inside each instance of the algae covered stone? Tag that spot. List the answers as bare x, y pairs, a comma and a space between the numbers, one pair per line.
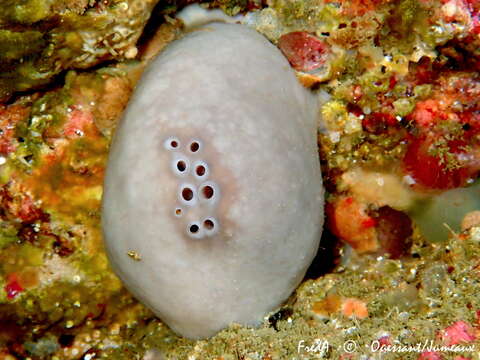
39, 39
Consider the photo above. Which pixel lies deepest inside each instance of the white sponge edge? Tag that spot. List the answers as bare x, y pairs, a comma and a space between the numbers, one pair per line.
194, 16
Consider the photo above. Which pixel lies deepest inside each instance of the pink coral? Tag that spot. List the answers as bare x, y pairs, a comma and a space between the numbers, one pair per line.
458, 332
77, 122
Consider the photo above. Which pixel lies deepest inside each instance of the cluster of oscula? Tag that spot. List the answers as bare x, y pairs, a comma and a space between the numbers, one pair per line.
194, 190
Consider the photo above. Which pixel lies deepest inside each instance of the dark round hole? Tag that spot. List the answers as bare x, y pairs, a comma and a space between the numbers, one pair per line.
207, 191
200, 170
174, 144
194, 146
194, 228
66, 340
181, 166
187, 194
209, 225
178, 212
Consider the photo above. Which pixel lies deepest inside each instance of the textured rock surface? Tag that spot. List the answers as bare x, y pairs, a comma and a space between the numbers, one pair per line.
213, 202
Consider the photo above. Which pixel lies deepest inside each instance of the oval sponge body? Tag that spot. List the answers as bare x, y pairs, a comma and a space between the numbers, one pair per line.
213, 198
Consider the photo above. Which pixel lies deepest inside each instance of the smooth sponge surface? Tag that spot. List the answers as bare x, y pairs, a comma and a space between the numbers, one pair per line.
213, 182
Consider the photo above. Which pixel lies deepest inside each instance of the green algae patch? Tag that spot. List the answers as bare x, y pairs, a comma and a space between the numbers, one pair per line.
25, 11
8, 234
15, 45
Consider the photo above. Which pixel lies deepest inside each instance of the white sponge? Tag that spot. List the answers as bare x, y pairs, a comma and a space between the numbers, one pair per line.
214, 183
